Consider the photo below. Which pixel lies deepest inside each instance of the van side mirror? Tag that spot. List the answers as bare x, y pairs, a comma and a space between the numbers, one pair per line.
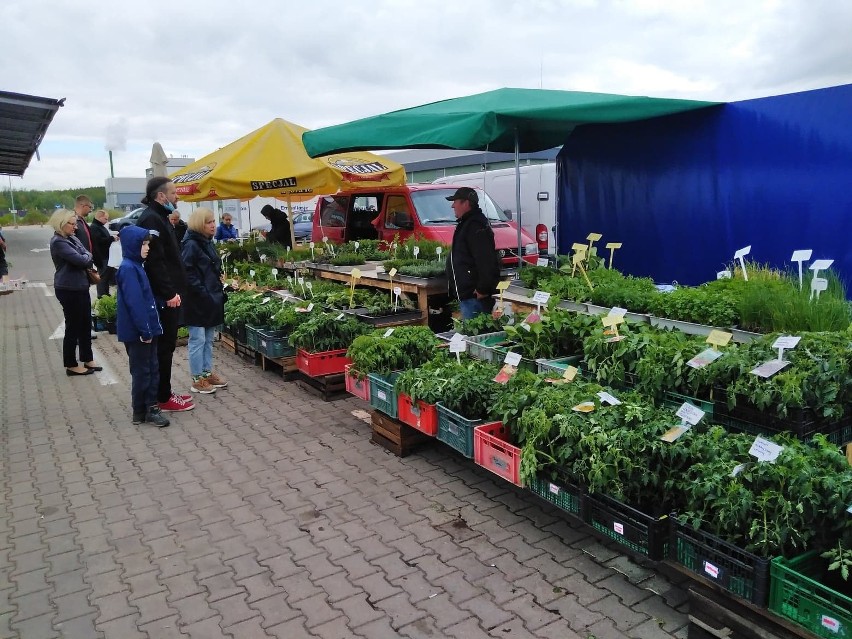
508, 213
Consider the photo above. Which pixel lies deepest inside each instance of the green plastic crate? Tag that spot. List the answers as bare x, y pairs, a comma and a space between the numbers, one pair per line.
252, 337
383, 397
273, 343
456, 431
483, 346
560, 494
798, 592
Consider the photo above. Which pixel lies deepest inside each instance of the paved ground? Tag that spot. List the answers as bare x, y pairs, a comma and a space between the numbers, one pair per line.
268, 513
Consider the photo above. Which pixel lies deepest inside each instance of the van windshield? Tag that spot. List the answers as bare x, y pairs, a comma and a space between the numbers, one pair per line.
433, 208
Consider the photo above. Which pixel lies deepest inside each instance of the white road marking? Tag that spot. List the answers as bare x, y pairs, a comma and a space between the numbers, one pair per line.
39, 250
47, 291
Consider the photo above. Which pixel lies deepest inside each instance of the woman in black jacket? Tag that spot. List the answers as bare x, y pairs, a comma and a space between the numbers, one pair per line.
280, 231
204, 309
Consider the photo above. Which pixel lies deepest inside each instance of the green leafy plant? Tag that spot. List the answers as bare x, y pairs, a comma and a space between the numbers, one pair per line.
325, 332
471, 391
407, 347
106, 308
347, 259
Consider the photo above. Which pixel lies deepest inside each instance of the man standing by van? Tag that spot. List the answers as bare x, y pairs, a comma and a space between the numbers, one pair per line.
473, 267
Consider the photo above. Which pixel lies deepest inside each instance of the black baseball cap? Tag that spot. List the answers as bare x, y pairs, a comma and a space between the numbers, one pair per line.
465, 193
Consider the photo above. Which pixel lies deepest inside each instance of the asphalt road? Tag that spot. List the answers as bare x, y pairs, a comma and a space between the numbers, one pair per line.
28, 254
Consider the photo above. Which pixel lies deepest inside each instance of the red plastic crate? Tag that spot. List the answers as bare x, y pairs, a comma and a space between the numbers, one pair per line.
358, 387
492, 450
423, 417
324, 363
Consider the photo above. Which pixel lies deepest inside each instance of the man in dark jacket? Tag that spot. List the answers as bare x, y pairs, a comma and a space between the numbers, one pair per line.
179, 226
82, 207
164, 267
473, 266
102, 239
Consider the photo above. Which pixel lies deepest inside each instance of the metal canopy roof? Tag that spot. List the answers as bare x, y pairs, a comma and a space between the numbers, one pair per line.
23, 122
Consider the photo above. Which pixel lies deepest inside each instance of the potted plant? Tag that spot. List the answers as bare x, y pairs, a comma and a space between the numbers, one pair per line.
107, 310
321, 343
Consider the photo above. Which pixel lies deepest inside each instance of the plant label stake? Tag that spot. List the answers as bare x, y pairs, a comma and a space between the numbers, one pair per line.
339, 317
388, 333
612, 246
579, 251
438, 251
302, 285
540, 297
740, 255
765, 450
817, 281
768, 369
391, 273
310, 288
724, 275
607, 398
287, 253
251, 274
263, 258
542, 261
415, 251
802, 255
275, 274
328, 246
818, 285
593, 237
509, 369
611, 322
570, 373
689, 415
397, 291
356, 244
501, 286
578, 263
718, 338
356, 275
458, 345
312, 245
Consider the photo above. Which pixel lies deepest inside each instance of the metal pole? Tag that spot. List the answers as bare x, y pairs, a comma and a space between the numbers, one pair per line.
14, 210
518, 196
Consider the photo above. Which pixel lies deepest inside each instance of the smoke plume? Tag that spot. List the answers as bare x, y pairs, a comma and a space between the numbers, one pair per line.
116, 136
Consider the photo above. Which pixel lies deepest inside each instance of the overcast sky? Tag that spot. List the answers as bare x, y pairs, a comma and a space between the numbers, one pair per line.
196, 75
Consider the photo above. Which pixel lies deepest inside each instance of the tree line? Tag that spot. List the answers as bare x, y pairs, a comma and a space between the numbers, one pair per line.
45, 202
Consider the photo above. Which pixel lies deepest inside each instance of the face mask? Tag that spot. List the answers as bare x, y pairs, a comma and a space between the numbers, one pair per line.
169, 206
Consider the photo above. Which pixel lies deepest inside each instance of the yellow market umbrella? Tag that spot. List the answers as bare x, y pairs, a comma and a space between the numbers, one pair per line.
272, 162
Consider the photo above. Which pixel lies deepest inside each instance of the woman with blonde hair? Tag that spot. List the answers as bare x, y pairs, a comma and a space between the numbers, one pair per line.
71, 287
205, 305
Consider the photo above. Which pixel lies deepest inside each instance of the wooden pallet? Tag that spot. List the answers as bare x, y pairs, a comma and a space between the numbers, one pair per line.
284, 366
328, 387
393, 435
228, 342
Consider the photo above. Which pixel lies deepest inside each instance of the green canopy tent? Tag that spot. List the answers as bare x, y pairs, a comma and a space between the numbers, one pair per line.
507, 120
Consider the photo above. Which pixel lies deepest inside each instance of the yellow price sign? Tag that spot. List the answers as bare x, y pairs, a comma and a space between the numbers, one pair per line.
356, 273
579, 248
392, 272
612, 320
570, 373
719, 338
612, 246
594, 237
502, 286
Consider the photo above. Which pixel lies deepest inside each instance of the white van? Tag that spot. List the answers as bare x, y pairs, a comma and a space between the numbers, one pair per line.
538, 194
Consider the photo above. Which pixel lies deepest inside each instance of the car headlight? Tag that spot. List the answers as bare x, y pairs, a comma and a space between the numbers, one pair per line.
531, 249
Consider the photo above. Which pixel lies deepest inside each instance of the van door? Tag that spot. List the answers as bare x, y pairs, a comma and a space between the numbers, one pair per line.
330, 219
397, 219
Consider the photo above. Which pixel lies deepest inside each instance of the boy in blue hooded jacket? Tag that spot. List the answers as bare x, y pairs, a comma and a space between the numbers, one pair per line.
138, 325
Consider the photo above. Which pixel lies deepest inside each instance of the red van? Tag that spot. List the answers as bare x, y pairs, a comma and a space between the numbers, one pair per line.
421, 210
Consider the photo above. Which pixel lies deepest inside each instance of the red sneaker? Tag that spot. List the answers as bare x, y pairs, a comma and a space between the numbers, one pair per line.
186, 398
176, 404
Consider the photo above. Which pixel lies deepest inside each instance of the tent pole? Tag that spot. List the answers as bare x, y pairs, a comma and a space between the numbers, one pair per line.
518, 196
290, 219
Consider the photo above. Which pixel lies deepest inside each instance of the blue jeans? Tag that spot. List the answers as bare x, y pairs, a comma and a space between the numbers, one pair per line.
144, 374
472, 307
201, 349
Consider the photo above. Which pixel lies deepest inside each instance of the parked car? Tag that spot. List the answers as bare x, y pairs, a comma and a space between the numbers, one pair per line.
119, 223
421, 210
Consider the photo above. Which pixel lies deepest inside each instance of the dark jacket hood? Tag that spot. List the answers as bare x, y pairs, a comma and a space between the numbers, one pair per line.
131, 238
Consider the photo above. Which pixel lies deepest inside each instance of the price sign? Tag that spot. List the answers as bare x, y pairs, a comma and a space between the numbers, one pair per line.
512, 359
275, 273
439, 250
542, 261
397, 291
765, 450
786, 341
606, 398
570, 373
705, 357
312, 245
689, 413
719, 338
541, 297
768, 369
584, 407
388, 333
416, 251
617, 311
611, 320
673, 434
392, 272
502, 285
356, 273
324, 239
459, 346
301, 281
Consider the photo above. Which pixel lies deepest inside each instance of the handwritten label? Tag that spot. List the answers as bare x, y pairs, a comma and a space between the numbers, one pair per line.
765, 450
512, 359
719, 338
606, 398
570, 373
768, 369
786, 341
689, 413
541, 297
542, 261
388, 333
392, 272
705, 357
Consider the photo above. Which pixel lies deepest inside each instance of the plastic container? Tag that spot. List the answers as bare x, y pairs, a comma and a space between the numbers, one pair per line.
739, 572
642, 533
382, 393
456, 431
557, 365
561, 494
252, 338
484, 346
273, 343
419, 415
358, 387
493, 451
798, 592
323, 363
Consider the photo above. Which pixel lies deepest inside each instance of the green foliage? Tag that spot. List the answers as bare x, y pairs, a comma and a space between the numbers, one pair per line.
324, 332
480, 324
559, 332
45, 201
248, 307
407, 347
106, 308
347, 259
435, 268
428, 383
471, 392
706, 304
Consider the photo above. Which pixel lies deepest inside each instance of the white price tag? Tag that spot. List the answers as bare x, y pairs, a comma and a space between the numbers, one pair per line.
608, 399
456, 337
340, 317
310, 307
416, 251
251, 272
542, 261
324, 239
689, 413
786, 341
397, 291
312, 245
301, 281
512, 359
275, 272
265, 300
711, 569
617, 311
388, 333
765, 450
459, 346
357, 245
382, 395
541, 297
439, 250
768, 369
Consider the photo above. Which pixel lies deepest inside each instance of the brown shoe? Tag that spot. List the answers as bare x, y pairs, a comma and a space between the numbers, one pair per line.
202, 385
215, 381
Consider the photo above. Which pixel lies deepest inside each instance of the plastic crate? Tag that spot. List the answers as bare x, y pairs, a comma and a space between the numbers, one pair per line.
323, 363
252, 338
798, 592
484, 346
557, 365
804, 423
676, 400
642, 533
422, 416
456, 431
358, 387
493, 451
273, 343
561, 494
238, 332
382, 393
739, 572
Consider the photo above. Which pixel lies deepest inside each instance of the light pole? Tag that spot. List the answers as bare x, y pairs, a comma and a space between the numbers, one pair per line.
14, 210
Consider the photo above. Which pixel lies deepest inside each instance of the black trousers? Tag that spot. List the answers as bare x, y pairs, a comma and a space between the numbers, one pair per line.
144, 374
169, 319
77, 309
107, 274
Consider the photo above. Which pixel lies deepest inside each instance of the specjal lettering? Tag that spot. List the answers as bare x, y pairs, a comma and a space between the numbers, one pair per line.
280, 183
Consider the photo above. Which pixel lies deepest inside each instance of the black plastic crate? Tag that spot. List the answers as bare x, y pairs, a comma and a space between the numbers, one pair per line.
642, 533
741, 573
